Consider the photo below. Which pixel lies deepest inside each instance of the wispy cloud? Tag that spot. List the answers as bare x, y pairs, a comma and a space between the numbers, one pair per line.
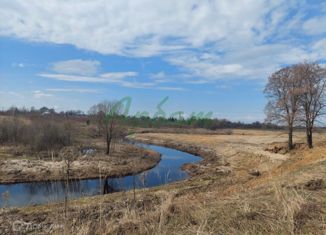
21, 65
315, 25
78, 90
40, 94
18, 65
102, 79
76, 78
166, 88
223, 87
118, 75
11, 93
85, 71
77, 67
320, 48
161, 77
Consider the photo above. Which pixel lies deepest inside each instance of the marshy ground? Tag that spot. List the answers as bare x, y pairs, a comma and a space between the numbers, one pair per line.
19, 162
85, 166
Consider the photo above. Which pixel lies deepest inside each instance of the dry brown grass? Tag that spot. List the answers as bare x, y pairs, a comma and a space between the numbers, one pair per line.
289, 197
119, 163
20, 163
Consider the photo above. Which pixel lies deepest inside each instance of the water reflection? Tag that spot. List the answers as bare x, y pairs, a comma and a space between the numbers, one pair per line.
167, 171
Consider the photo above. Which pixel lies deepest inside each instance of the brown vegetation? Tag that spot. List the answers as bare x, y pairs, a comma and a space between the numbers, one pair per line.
84, 166
33, 150
40, 135
223, 197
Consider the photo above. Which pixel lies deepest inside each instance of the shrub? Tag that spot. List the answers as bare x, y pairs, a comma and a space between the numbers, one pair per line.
39, 135
51, 136
10, 131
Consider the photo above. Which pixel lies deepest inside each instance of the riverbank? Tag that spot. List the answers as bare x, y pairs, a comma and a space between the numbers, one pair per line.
209, 155
88, 164
245, 189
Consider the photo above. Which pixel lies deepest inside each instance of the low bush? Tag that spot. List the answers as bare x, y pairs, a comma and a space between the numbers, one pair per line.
39, 135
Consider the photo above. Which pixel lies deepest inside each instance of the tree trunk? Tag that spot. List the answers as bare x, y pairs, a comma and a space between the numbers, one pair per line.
108, 143
309, 137
290, 141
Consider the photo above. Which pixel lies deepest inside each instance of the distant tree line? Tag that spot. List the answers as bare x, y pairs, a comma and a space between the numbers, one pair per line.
44, 111
297, 97
210, 124
97, 113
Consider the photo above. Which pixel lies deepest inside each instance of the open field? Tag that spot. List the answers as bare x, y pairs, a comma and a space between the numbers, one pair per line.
239, 188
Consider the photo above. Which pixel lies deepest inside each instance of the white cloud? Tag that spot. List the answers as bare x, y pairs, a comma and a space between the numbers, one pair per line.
137, 85
18, 65
210, 40
159, 75
40, 94
103, 78
119, 78
223, 87
162, 77
85, 71
73, 78
319, 48
118, 75
140, 27
245, 63
316, 25
78, 90
11, 93
166, 88
76, 67
21, 65
210, 69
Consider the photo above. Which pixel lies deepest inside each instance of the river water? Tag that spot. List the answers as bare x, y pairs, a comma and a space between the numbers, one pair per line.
168, 170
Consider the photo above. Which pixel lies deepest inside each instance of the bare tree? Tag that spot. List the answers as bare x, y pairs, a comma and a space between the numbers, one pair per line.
312, 99
99, 116
283, 93
107, 113
111, 122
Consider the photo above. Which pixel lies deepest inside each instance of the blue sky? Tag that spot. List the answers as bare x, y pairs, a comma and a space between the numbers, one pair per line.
207, 56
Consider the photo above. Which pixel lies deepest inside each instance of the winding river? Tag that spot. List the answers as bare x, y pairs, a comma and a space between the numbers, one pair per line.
168, 170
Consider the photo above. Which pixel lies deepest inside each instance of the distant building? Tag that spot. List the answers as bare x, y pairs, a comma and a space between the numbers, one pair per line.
46, 111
